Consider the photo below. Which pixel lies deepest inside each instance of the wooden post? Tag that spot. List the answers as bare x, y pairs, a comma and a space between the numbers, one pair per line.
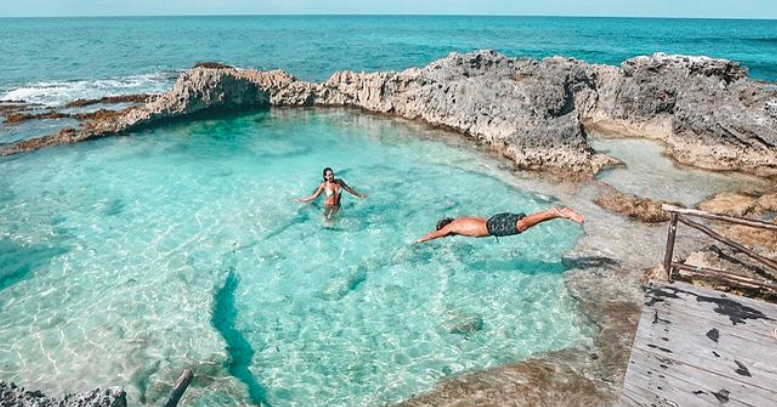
670, 247
179, 388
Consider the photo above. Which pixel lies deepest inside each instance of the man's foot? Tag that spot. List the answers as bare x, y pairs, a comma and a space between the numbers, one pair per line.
568, 213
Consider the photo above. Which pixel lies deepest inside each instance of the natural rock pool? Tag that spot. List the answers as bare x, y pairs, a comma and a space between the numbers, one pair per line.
648, 173
127, 259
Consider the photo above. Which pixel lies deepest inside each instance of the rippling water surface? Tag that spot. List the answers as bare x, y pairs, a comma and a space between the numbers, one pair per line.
651, 174
127, 259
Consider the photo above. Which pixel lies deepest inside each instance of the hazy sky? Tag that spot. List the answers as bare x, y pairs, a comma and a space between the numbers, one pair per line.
639, 8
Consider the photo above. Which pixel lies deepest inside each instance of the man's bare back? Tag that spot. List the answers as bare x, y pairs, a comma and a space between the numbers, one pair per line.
503, 224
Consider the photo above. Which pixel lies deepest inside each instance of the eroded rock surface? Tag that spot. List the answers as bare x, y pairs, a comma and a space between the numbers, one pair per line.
707, 110
132, 98
531, 111
741, 204
635, 207
12, 395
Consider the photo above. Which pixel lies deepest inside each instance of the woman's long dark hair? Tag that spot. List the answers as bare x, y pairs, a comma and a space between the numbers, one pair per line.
323, 174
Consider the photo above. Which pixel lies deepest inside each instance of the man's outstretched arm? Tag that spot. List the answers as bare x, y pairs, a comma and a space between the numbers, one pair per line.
444, 232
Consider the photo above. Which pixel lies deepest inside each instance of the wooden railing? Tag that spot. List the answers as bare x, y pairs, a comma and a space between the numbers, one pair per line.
681, 215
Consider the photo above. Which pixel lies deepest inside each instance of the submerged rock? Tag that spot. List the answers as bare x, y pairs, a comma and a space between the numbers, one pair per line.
463, 324
635, 207
15, 117
531, 111
12, 395
576, 376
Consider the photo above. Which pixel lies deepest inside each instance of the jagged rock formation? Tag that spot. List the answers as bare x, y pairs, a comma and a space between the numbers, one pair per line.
532, 112
707, 110
12, 395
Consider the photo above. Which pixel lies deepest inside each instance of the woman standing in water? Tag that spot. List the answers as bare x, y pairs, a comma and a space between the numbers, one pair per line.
331, 188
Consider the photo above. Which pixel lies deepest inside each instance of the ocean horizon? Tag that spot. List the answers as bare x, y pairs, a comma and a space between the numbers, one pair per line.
312, 47
394, 15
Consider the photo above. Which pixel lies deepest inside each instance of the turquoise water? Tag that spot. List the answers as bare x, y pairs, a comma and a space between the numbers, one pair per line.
127, 259
648, 173
52, 60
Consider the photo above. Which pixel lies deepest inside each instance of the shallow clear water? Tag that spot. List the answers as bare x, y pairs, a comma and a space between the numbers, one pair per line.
651, 174
127, 259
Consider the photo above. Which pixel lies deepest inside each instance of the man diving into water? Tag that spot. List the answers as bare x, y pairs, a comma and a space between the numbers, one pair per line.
503, 224
331, 188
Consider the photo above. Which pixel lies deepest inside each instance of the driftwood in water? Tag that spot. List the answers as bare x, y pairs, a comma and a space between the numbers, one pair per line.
180, 386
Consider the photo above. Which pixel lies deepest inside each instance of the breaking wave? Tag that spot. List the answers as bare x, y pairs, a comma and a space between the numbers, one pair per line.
57, 93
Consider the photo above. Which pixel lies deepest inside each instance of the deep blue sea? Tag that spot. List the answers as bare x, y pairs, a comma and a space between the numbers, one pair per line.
138, 50
126, 259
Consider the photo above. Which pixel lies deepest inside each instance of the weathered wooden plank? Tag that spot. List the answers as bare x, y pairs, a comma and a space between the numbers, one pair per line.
684, 390
701, 339
690, 323
639, 396
672, 397
727, 360
673, 378
700, 347
734, 312
769, 308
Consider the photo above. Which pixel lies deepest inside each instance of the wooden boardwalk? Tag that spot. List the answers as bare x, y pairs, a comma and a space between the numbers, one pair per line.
698, 347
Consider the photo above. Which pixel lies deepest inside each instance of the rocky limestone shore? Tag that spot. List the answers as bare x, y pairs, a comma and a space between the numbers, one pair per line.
534, 112
12, 395
707, 110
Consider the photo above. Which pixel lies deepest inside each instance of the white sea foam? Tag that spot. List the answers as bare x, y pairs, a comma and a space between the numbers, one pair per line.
57, 93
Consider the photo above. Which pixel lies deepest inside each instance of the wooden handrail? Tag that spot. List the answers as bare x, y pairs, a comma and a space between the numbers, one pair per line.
755, 223
679, 214
709, 232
